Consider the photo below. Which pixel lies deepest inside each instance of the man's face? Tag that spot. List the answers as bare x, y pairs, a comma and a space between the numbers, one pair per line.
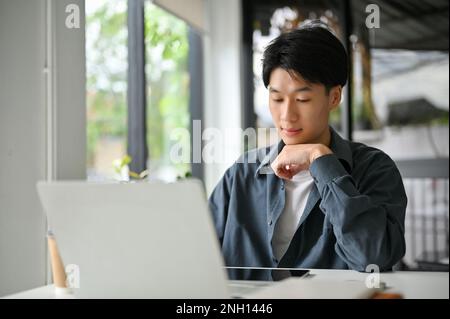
299, 108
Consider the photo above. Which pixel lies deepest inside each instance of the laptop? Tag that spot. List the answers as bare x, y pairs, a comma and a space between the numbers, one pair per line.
136, 240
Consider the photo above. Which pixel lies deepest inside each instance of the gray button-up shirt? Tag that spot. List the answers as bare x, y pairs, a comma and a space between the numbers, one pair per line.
354, 215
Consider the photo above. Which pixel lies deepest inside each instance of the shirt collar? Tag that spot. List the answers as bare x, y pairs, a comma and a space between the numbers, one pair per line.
338, 146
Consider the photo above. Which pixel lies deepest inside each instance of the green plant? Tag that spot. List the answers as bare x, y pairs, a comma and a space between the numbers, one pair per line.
186, 175
121, 166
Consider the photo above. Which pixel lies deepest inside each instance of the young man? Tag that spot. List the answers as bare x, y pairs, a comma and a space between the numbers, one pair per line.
315, 200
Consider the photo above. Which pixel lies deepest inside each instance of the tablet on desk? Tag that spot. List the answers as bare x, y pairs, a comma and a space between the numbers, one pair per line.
264, 274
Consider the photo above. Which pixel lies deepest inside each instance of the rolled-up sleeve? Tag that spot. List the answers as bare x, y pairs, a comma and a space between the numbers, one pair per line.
367, 212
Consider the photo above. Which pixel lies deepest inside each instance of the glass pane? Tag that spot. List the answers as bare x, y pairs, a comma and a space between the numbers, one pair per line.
106, 73
167, 75
405, 113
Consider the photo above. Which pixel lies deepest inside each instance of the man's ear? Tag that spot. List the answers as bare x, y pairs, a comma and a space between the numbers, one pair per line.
335, 96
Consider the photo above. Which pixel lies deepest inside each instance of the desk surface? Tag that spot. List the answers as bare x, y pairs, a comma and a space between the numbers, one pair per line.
415, 285
411, 284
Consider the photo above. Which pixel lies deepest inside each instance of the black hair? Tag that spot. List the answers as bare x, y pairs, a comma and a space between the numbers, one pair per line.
311, 51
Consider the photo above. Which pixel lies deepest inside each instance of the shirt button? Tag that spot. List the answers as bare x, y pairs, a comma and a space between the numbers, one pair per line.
282, 187
270, 223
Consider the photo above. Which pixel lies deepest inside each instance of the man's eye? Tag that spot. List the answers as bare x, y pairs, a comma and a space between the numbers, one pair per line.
303, 101
277, 100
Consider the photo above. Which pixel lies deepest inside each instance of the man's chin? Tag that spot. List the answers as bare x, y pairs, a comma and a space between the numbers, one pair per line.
293, 141
305, 137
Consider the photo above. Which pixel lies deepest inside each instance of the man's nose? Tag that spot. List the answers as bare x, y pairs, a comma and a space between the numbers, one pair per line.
289, 111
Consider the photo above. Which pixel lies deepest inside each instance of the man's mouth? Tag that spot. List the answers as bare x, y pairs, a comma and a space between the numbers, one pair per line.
291, 131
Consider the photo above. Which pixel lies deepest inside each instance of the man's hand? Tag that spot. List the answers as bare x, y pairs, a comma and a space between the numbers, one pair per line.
296, 158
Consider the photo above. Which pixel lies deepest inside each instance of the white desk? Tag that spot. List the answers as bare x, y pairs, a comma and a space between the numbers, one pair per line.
412, 285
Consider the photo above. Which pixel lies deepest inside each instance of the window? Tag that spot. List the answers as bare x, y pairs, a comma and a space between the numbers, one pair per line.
400, 79
167, 88
405, 110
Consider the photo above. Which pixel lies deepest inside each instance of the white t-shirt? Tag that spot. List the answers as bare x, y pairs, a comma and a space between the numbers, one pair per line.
297, 192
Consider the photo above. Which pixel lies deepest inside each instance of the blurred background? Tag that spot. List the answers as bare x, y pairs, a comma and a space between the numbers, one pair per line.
74, 101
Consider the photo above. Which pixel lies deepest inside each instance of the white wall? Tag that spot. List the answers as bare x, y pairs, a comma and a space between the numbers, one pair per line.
22, 144
222, 108
23, 130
